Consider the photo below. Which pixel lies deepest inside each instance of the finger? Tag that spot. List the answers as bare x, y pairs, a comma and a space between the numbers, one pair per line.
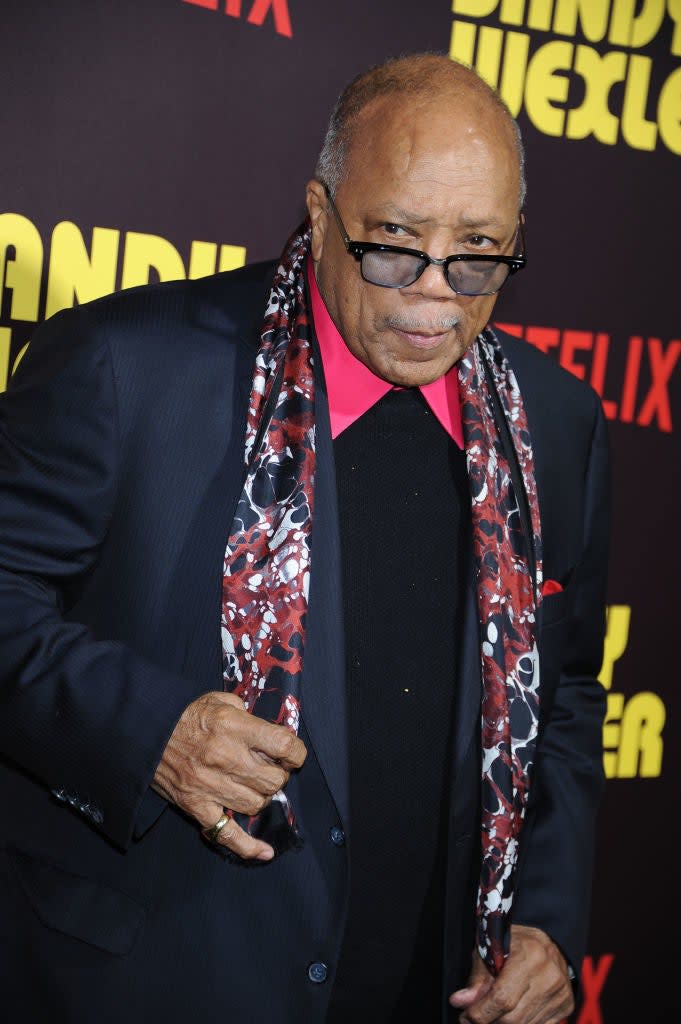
228, 791
249, 776
465, 997
479, 982
277, 742
232, 837
267, 776
241, 798
501, 998
544, 1003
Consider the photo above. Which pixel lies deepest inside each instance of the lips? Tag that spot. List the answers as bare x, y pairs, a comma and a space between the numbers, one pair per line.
420, 340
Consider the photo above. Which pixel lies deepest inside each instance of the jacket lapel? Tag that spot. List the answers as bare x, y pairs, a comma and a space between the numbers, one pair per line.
468, 704
323, 686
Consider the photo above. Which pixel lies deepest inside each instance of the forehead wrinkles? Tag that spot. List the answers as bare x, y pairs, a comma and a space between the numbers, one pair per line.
431, 144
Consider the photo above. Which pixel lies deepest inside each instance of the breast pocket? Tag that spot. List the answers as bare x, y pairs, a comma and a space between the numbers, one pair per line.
554, 607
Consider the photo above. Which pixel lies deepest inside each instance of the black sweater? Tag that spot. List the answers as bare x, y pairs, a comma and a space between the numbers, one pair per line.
405, 538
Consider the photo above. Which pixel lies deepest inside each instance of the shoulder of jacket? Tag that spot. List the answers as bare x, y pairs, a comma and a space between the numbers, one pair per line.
540, 375
170, 303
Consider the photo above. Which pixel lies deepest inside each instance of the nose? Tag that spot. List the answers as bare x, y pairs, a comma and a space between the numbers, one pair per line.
432, 284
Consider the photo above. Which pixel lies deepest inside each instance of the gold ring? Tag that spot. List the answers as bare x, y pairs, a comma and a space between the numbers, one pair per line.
214, 831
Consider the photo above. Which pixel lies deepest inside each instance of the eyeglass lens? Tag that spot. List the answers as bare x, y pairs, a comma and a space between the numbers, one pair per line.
397, 270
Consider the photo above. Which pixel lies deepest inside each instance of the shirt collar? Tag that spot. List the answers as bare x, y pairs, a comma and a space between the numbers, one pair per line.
353, 388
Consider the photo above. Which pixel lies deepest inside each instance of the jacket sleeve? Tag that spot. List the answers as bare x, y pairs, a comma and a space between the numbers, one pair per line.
83, 715
553, 889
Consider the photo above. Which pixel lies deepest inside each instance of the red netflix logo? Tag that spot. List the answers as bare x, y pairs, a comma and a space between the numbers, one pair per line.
586, 354
259, 9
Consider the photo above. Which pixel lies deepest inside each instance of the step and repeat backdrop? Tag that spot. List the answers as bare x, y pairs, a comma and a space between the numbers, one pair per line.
158, 139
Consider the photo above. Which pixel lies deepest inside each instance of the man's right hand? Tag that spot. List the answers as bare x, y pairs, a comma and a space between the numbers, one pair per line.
221, 756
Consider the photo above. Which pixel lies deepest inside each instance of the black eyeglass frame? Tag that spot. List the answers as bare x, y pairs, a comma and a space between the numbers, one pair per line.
358, 249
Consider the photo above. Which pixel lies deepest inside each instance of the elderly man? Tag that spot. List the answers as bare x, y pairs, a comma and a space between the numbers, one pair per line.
301, 594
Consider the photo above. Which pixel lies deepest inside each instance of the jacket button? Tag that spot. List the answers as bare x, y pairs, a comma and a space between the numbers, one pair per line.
317, 972
337, 835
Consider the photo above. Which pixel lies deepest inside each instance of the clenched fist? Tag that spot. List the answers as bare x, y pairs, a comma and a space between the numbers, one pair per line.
533, 987
221, 756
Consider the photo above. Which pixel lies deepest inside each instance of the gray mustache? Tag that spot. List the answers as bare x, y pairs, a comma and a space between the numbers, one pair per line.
419, 326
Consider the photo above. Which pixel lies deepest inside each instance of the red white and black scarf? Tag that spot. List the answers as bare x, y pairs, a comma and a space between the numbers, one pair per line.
267, 573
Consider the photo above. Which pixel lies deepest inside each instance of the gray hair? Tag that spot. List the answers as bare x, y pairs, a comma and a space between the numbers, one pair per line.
416, 74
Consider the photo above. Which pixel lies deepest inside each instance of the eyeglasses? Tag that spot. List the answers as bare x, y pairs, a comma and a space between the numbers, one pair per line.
391, 266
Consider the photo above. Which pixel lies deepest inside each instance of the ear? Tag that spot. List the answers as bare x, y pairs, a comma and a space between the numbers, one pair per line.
317, 207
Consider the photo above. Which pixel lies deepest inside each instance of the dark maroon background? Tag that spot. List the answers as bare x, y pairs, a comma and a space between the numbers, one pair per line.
165, 117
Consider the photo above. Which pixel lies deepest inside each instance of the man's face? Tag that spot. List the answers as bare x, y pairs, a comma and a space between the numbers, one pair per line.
440, 176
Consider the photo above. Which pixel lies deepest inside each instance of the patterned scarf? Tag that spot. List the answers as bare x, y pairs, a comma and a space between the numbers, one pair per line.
267, 573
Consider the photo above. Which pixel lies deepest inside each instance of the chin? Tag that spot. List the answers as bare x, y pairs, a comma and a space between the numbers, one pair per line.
419, 372
415, 376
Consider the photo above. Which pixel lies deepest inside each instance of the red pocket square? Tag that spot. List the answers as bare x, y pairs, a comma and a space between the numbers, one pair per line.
551, 587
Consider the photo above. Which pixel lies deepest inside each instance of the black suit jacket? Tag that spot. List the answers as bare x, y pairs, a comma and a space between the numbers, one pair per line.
121, 446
